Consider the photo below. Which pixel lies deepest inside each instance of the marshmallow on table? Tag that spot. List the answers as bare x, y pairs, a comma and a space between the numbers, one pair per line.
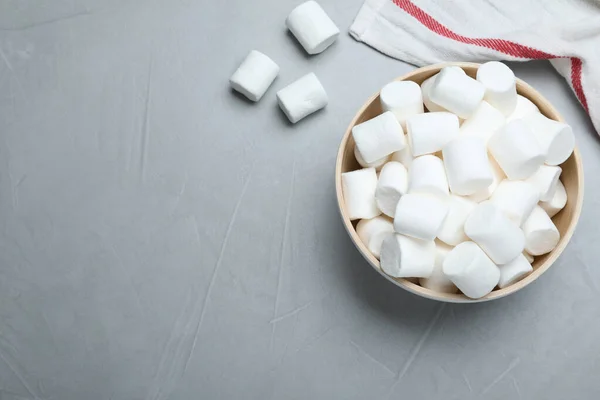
254, 75
545, 180
524, 108
499, 237
392, 185
484, 122
420, 215
514, 271
471, 270
500, 86
516, 199
407, 257
403, 156
484, 194
379, 137
359, 193
541, 235
555, 138
453, 228
427, 175
558, 201
528, 257
403, 98
377, 164
426, 87
313, 28
438, 281
302, 98
517, 150
456, 92
430, 132
467, 165
373, 231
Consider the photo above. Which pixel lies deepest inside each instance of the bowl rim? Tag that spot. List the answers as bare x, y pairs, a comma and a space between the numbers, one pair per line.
522, 88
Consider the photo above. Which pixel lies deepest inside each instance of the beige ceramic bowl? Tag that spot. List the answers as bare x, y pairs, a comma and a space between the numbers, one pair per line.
566, 220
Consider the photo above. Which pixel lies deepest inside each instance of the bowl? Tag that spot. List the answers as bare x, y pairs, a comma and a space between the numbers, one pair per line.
565, 220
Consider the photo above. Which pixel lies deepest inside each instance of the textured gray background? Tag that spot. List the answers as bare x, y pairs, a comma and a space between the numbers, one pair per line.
163, 238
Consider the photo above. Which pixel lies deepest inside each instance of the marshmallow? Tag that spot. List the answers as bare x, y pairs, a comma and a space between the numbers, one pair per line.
379, 137
484, 194
406, 257
484, 122
516, 199
456, 92
302, 98
359, 193
420, 215
427, 175
426, 87
313, 28
438, 281
541, 235
471, 270
528, 257
254, 75
498, 236
453, 228
373, 231
524, 108
555, 138
500, 86
516, 150
514, 271
430, 132
545, 180
558, 201
392, 184
403, 98
467, 165
403, 156
377, 164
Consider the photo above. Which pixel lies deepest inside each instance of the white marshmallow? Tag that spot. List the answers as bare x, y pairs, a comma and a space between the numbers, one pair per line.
377, 164
406, 257
403, 98
484, 194
516, 199
541, 235
471, 270
359, 193
499, 237
379, 137
545, 180
500, 86
427, 175
373, 231
430, 132
514, 271
313, 28
516, 150
302, 98
558, 201
528, 257
392, 184
254, 76
467, 165
456, 92
426, 87
403, 156
524, 108
438, 281
420, 215
453, 228
484, 122
555, 138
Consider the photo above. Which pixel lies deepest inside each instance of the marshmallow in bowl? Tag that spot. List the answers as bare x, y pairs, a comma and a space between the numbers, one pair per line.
403, 98
545, 180
407, 257
484, 122
528, 256
524, 108
541, 235
555, 138
467, 165
373, 231
438, 281
558, 201
403, 156
516, 199
484, 194
359, 193
430, 132
427, 175
302, 98
453, 228
456, 92
500, 86
379, 137
392, 185
426, 87
313, 28
254, 76
377, 164
471, 270
514, 271
420, 215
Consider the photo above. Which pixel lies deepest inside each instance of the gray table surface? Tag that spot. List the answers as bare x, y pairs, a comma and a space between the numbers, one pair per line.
163, 238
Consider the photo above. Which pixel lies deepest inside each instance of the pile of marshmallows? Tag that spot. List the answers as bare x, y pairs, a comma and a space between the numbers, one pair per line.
315, 31
471, 191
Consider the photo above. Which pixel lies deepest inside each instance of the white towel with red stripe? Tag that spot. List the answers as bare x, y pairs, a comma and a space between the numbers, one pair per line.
430, 31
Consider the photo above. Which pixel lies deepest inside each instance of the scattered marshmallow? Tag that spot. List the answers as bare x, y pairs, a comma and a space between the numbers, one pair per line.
430, 132
377, 164
420, 215
403, 98
528, 257
484, 194
471, 270
498, 236
254, 76
541, 235
467, 165
392, 184
302, 98
516, 150
313, 28
558, 201
545, 180
524, 108
500, 86
373, 231
403, 156
427, 175
484, 122
453, 228
555, 138
359, 193
379, 137
456, 92
438, 281
516, 199
514, 271
407, 257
